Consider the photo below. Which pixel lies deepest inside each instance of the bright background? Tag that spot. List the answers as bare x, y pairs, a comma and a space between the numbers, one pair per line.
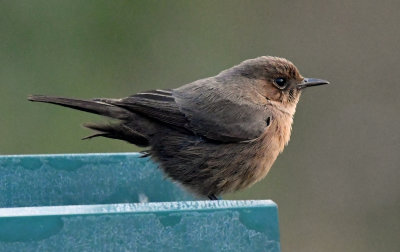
337, 184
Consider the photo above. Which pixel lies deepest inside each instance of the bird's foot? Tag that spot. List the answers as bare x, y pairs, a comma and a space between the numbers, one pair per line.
212, 197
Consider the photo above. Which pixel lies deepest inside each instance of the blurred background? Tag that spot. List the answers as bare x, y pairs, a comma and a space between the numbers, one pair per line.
337, 184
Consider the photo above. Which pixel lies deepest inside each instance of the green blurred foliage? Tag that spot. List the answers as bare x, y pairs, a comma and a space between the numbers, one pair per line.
337, 183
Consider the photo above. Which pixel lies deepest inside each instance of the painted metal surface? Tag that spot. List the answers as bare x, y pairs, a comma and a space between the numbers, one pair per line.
78, 203
82, 179
168, 226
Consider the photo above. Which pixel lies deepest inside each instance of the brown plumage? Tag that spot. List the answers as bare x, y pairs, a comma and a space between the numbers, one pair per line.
214, 135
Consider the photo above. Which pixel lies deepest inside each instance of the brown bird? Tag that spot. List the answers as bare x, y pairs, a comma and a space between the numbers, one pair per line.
214, 135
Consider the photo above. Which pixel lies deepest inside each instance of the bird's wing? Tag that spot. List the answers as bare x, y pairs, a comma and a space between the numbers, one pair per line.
202, 111
221, 114
157, 104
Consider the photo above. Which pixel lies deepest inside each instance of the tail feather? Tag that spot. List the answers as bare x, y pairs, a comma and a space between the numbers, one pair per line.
117, 131
92, 106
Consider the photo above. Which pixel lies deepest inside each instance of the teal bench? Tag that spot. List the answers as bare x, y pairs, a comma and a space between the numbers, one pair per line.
120, 202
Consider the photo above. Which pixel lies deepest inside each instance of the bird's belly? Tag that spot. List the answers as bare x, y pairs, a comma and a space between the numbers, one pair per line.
255, 167
208, 168
259, 156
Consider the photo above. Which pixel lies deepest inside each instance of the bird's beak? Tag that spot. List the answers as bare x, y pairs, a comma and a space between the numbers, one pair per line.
311, 82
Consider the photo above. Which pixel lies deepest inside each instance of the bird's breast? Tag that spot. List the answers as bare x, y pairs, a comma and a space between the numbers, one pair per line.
268, 147
280, 131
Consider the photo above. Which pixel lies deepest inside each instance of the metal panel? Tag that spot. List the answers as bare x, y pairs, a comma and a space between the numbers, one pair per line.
169, 226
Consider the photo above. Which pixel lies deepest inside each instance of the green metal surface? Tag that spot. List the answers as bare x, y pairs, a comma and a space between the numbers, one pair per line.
68, 203
170, 226
82, 179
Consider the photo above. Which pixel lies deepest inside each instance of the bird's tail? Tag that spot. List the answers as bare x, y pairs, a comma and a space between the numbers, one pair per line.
92, 106
121, 130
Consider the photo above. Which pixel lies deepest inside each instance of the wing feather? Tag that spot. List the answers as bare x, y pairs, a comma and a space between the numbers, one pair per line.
222, 112
200, 109
159, 105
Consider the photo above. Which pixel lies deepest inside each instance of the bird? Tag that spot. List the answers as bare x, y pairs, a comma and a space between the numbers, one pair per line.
212, 136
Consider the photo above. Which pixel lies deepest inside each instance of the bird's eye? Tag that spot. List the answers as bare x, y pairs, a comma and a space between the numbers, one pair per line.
280, 82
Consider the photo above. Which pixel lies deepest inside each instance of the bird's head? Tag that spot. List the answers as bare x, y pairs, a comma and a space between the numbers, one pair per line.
276, 79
